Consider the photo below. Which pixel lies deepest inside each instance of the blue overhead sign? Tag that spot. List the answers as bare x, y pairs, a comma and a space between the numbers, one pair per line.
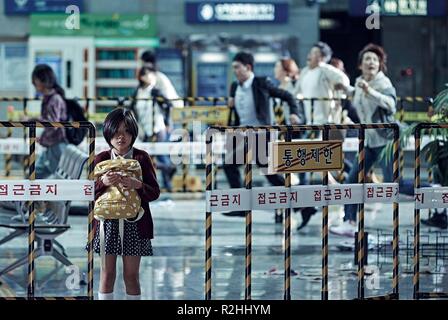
236, 12
400, 8
25, 7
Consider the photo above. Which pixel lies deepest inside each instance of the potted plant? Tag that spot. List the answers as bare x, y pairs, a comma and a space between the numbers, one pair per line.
435, 152
438, 147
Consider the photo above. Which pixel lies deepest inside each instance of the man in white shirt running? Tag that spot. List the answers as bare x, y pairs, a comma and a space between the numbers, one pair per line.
163, 83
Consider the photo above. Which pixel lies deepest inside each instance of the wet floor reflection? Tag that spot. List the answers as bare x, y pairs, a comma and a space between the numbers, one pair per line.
176, 271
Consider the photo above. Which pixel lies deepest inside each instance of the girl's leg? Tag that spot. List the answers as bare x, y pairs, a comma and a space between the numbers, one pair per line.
107, 278
131, 269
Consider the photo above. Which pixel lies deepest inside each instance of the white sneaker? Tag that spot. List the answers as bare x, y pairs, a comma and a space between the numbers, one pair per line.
346, 229
295, 180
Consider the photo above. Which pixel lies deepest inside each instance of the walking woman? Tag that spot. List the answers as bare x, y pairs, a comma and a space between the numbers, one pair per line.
53, 109
375, 101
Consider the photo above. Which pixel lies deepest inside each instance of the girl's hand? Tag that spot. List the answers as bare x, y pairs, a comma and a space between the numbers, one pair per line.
111, 179
131, 183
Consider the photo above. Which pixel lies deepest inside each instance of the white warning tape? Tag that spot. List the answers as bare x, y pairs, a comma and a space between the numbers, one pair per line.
156, 148
13, 146
47, 190
431, 197
270, 198
17, 146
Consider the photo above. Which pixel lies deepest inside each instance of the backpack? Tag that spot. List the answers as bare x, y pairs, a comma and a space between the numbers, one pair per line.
75, 113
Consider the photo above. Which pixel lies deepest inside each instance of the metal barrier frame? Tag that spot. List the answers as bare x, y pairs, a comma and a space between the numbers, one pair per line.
278, 112
287, 226
416, 279
32, 125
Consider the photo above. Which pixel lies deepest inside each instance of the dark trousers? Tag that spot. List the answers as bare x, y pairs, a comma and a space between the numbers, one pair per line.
234, 177
260, 143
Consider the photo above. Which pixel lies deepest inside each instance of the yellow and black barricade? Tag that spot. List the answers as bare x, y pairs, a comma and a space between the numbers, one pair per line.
324, 290
360, 240
32, 217
8, 157
288, 130
287, 250
189, 101
26, 159
248, 153
361, 227
32, 125
416, 280
208, 217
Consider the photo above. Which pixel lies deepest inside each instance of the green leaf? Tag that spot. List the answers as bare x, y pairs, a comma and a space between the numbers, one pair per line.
441, 106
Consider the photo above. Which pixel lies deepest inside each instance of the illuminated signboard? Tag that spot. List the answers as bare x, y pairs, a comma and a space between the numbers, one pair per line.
236, 12
400, 7
26, 7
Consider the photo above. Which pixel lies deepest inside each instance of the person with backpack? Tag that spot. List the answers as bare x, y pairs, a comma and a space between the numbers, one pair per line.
53, 109
153, 116
75, 113
162, 82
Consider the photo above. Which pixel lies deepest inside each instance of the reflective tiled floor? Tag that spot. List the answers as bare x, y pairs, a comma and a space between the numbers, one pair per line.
176, 271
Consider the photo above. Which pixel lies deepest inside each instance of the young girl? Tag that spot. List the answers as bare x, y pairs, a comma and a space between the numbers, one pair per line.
53, 109
120, 131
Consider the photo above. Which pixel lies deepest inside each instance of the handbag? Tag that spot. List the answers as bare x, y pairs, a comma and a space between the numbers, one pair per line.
118, 202
382, 115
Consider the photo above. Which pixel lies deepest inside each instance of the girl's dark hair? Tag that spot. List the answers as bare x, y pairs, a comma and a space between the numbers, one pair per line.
45, 74
379, 51
143, 71
113, 121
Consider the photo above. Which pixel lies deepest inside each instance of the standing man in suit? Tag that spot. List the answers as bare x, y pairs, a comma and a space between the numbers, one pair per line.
250, 103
